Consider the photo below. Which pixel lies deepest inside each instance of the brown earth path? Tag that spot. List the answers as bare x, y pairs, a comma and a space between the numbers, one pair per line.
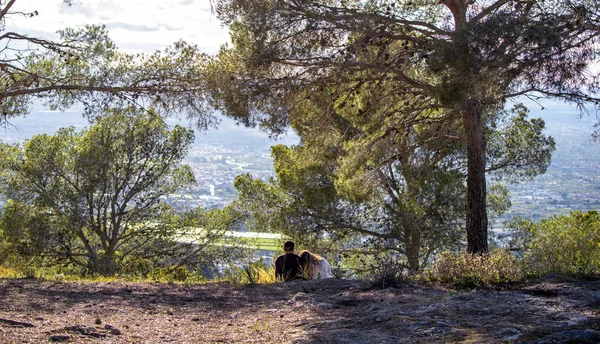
549, 310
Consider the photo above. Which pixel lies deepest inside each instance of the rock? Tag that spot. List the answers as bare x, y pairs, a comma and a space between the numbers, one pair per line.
307, 290
98, 321
508, 331
324, 305
442, 330
573, 336
84, 331
371, 308
60, 338
436, 308
510, 334
380, 318
113, 330
441, 323
169, 312
14, 323
195, 319
576, 320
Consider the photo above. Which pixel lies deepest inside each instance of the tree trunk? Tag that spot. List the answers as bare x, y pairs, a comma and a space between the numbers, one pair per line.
413, 249
104, 264
477, 241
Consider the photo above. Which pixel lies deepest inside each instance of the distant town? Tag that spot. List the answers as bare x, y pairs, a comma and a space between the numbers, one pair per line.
216, 167
572, 182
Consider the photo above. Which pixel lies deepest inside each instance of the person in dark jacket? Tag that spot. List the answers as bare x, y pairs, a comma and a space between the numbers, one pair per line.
287, 266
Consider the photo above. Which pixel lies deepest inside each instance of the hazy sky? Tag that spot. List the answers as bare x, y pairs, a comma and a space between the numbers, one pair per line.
134, 25
144, 25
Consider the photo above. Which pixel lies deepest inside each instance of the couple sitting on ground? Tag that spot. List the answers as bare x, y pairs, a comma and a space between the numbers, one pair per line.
306, 266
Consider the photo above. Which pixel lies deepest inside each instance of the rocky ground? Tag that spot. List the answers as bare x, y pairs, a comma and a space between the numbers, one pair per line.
549, 310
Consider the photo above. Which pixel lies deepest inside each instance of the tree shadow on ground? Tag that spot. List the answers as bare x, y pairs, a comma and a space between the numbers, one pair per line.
546, 310
321, 311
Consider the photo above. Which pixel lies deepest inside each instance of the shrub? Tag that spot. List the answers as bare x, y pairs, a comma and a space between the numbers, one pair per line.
387, 269
180, 274
252, 273
562, 244
339, 272
137, 267
381, 267
8, 272
466, 270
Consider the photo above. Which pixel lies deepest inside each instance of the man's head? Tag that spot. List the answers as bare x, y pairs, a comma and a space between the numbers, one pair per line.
288, 246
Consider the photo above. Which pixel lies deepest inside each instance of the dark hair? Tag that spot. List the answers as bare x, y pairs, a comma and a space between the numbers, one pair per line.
288, 246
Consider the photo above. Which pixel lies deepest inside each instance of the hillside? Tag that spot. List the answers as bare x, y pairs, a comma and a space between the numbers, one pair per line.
219, 155
571, 181
548, 310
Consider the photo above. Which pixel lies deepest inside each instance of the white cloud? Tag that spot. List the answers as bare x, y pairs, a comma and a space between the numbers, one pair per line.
134, 25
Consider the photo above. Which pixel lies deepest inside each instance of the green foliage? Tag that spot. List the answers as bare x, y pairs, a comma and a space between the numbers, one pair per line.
24, 232
257, 273
335, 189
560, 244
94, 198
517, 148
498, 200
251, 273
466, 270
176, 274
136, 266
84, 66
389, 82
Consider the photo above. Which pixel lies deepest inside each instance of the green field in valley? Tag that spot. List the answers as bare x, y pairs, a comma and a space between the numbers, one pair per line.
253, 240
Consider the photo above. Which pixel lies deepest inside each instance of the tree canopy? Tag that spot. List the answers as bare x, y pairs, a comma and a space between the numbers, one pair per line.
85, 67
448, 66
403, 194
98, 194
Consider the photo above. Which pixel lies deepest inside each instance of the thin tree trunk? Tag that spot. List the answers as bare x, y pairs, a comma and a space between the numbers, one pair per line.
477, 241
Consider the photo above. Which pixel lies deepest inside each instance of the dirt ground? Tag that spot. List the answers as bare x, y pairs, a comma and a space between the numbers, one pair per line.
549, 310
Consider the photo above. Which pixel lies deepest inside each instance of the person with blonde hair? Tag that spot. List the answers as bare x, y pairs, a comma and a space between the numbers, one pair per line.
315, 266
